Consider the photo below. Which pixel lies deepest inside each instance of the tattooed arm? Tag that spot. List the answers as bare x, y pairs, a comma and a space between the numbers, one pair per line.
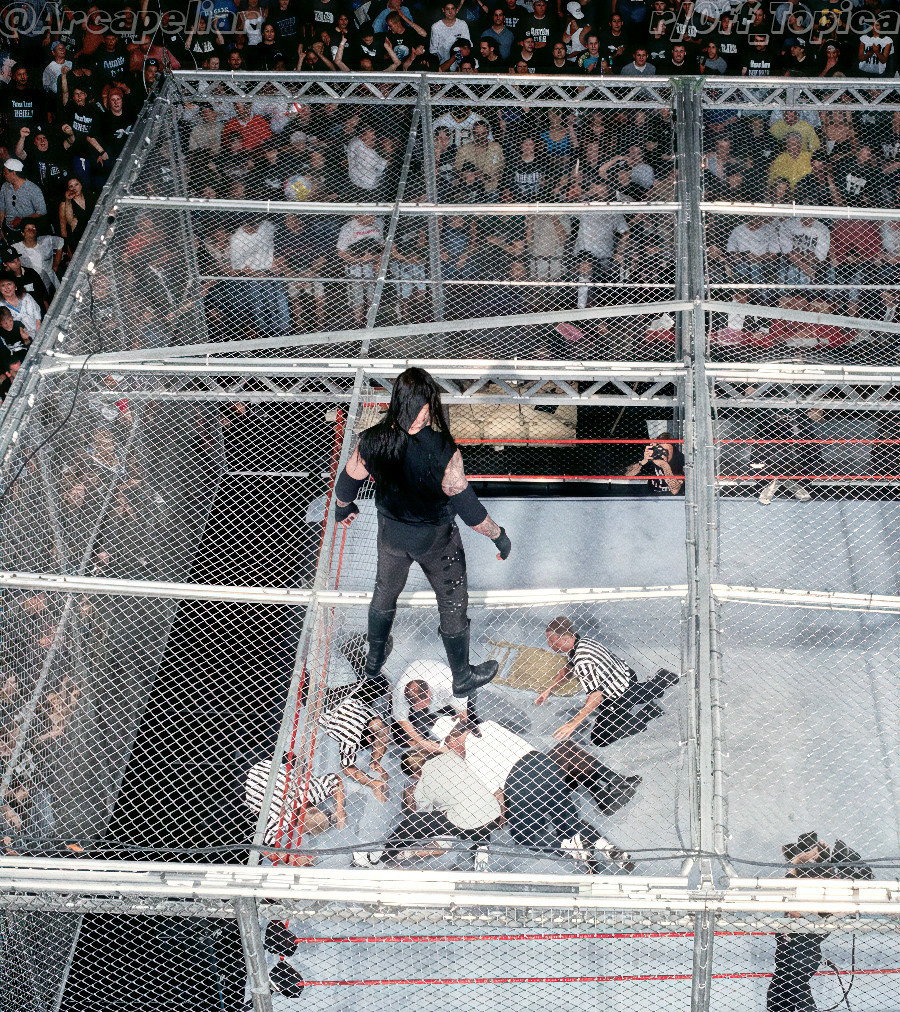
470, 509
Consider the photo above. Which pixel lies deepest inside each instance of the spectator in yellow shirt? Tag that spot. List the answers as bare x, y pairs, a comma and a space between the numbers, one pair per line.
793, 163
790, 122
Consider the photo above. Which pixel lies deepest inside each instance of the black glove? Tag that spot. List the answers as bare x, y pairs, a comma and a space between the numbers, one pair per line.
341, 513
504, 545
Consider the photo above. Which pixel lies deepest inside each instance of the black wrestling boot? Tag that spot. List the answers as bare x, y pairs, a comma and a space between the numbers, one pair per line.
372, 684
466, 677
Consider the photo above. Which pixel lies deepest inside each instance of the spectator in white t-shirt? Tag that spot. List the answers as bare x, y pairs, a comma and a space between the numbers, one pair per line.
804, 246
41, 253
874, 51
446, 31
54, 69
251, 251
365, 166
752, 249
360, 245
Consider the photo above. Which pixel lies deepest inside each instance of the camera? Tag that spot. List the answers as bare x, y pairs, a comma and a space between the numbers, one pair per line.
657, 452
836, 861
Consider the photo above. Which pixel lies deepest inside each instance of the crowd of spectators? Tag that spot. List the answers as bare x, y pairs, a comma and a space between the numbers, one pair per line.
75, 75
608, 37
30, 729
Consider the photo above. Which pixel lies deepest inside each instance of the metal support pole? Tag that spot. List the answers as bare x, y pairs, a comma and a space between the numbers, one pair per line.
431, 191
395, 218
700, 487
189, 239
704, 935
247, 913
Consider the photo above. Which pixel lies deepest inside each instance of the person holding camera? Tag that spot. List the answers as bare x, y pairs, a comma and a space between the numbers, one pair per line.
799, 953
663, 462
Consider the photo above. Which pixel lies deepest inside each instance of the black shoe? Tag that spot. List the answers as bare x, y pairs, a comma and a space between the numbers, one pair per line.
466, 677
666, 679
279, 940
652, 711
614, 798
284, 979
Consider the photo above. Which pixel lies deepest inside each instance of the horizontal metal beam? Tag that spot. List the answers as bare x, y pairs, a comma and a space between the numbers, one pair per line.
804, 94
797, 211
405, 891
524, 598
443, 89
805, 372
856, 323
377, 333
823, 599
352, 207
480, 371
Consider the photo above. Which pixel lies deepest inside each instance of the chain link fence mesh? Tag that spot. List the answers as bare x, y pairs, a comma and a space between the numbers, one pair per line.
335, 957
182, 619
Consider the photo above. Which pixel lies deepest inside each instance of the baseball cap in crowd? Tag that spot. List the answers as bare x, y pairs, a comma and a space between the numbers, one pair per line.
14, 165
795, 42
8, 254
574, 8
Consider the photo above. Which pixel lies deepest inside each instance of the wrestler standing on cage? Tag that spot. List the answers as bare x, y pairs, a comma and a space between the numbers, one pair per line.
420, 483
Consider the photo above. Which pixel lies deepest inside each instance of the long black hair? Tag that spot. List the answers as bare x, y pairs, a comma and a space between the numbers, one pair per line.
383, 446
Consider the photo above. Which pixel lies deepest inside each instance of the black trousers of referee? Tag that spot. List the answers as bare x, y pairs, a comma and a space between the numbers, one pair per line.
797, 957
439, 552
615, 720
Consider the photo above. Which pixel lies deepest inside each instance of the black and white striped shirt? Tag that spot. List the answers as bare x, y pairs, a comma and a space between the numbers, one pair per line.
598, 670
347, 724
285, 804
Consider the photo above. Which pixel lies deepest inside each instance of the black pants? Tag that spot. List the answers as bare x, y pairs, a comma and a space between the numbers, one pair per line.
797, 958
439, 552
583, 771
419, 826
615, 720
539, 804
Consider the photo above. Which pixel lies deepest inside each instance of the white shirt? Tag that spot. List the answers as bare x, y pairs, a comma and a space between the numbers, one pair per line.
449, 785
493, 755
442, 37
461, 130
754, 240
365, 167
597, 232
253, 22
28, 313
253, 251
890, 238
874, 46
439, 679
52, 73
40, 257
352, 231
799, 238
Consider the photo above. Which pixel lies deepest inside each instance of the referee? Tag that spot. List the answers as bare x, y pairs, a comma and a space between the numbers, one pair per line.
420, 483
611, 686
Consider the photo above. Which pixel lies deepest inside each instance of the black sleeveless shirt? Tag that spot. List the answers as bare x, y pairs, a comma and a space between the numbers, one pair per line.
420, 500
